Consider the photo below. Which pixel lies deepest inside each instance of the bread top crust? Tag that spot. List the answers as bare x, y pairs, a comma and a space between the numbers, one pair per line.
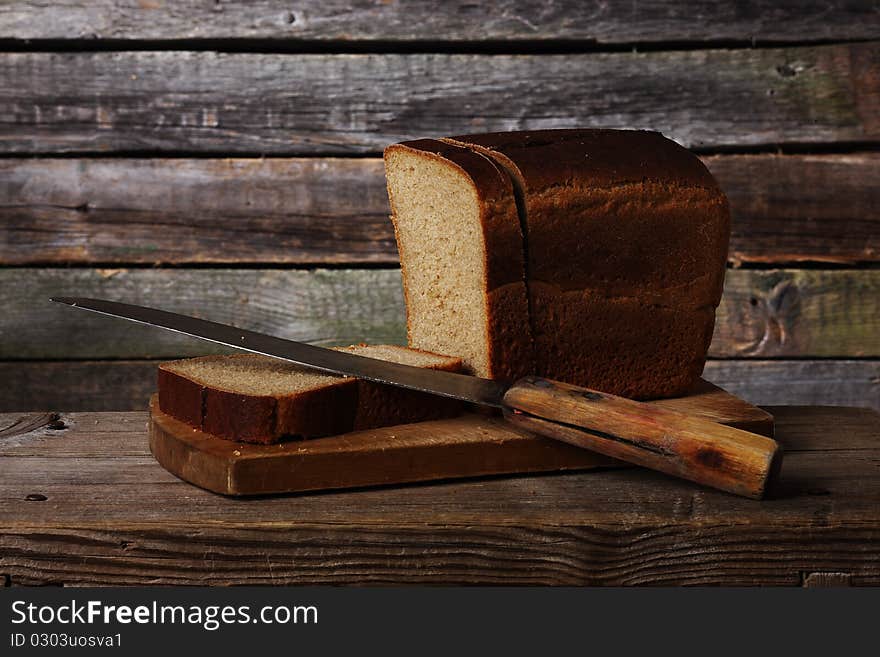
597, 157
492, 184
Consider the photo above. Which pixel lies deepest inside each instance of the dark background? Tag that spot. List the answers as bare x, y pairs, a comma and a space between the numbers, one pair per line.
222, 158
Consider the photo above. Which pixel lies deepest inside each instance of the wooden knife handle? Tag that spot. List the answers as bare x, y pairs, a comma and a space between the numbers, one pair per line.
678, 444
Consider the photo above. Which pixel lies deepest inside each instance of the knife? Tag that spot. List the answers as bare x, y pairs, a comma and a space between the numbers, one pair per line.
675, 443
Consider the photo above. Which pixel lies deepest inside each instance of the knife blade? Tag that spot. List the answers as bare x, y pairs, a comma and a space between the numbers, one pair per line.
447, 384
678, 444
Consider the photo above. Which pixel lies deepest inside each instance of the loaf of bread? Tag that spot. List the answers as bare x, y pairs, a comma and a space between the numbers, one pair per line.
624, 244
252, 398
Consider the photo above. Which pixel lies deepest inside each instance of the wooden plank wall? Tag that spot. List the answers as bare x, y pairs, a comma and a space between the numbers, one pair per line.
223, 158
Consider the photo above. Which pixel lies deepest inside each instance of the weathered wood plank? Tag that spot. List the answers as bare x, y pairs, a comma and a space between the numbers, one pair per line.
77, 385
786, 208
299, 210
806, 382
790, 208
75, 514
311, 104
127, 384
367, 21
322, 306
764, 314
798, 313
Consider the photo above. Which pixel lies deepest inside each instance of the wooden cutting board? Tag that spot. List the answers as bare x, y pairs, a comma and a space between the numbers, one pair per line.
467, 446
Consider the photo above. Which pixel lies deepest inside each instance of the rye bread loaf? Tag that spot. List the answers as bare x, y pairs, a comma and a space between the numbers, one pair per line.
252, 398
625, 241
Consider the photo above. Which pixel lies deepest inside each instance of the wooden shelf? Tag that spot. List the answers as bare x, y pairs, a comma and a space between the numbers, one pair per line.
83, 502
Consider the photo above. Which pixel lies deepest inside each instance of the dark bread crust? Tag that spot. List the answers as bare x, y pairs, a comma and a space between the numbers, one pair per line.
324, 411
180, 397
603, 157
383, 406
510, 351
656, 225
319, 412
619, 344
247, 418
612, 215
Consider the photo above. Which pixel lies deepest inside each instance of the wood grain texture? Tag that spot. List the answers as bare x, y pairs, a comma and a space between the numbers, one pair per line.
451, 448
314, 104
786, 208
76, 385
763, 314
791, 208
368, 21
322, 306
767, 382
127, 384
306, 211
73, 511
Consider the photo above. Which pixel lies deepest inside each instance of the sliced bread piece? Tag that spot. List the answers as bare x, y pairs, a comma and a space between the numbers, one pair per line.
252, 398
461, 250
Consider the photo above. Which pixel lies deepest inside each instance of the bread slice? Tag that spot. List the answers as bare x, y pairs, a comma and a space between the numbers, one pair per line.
461, 247
625, 242
252, 398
